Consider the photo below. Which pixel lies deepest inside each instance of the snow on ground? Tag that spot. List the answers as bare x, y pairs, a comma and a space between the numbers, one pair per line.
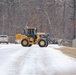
18, 60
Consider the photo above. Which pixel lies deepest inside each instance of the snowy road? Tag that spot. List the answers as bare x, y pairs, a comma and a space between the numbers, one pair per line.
18, 60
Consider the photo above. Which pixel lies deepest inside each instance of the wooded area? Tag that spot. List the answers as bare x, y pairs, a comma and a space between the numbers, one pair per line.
57, 17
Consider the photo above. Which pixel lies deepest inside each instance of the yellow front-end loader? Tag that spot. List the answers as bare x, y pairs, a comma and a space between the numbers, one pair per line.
30, 37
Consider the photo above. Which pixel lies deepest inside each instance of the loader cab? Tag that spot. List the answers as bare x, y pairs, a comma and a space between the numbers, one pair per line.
32, 32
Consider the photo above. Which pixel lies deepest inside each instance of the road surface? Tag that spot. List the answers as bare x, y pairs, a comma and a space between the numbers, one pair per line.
18, 60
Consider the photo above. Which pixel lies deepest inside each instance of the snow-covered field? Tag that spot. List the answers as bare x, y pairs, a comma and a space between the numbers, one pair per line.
18, 60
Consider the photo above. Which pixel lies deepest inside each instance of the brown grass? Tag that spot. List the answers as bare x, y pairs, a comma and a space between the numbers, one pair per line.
68, 51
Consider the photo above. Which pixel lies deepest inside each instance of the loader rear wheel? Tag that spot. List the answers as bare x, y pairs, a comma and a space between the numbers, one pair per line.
25, 42
42, 43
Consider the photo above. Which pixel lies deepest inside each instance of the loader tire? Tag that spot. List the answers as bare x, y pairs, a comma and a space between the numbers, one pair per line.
25, 42
29, 45
46, 43
42, 43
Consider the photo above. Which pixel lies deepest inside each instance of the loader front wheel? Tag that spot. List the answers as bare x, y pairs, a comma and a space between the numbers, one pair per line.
46, 43
42, 43
25, 42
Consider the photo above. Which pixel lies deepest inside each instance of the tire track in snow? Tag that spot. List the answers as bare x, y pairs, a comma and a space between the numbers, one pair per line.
36, 63
45, 62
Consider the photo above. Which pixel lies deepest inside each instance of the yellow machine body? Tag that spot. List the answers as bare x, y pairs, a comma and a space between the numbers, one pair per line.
30, 37
19, 37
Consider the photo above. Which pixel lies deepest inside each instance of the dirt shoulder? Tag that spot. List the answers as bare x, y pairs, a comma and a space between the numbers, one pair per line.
68, 51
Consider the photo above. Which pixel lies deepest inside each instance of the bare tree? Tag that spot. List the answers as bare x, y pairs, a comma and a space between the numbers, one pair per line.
47, 16
64, 10
73, 16
74, 3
